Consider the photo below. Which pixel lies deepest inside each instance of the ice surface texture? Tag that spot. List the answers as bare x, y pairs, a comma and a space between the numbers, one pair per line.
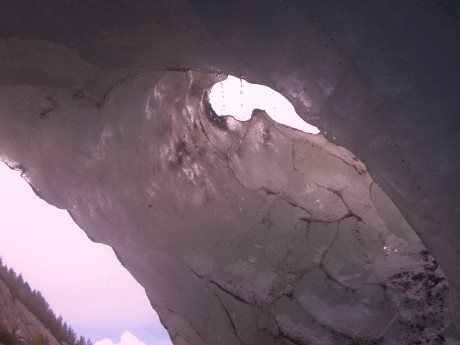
378, 78
241, 232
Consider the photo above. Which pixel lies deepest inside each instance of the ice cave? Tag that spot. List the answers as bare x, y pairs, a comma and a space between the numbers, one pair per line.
252, 232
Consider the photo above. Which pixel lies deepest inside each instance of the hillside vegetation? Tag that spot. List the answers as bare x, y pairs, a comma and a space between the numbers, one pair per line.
34, 301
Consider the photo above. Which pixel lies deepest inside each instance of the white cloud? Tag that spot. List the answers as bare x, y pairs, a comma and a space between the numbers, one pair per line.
127, 338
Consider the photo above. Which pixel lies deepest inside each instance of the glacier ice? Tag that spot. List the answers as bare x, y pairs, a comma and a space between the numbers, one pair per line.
241, 232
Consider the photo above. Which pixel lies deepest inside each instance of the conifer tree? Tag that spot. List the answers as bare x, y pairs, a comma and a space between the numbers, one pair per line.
37, 304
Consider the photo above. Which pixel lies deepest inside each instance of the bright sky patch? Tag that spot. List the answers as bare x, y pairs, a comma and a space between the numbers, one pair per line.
236, 97
81, 280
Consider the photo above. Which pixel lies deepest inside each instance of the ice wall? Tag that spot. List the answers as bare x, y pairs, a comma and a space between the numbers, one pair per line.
241, 232
378, 78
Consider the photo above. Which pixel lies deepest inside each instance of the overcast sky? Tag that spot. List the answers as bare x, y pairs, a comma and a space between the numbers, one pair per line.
83, 281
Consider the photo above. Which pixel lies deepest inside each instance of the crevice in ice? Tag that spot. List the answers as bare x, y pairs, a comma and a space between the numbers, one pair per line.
215, 283
361, 169
346, 216
237, 98
201, 277
326, 251
194, 336
227, 313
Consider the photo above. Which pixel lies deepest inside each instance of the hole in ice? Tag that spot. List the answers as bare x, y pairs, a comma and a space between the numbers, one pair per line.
82, 280
238, 98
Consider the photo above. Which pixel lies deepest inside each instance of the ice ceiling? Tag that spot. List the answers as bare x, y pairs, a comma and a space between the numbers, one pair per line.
251, 232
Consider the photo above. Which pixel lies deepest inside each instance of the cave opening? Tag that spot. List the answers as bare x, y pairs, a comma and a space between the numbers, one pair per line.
238, 98
82, 281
